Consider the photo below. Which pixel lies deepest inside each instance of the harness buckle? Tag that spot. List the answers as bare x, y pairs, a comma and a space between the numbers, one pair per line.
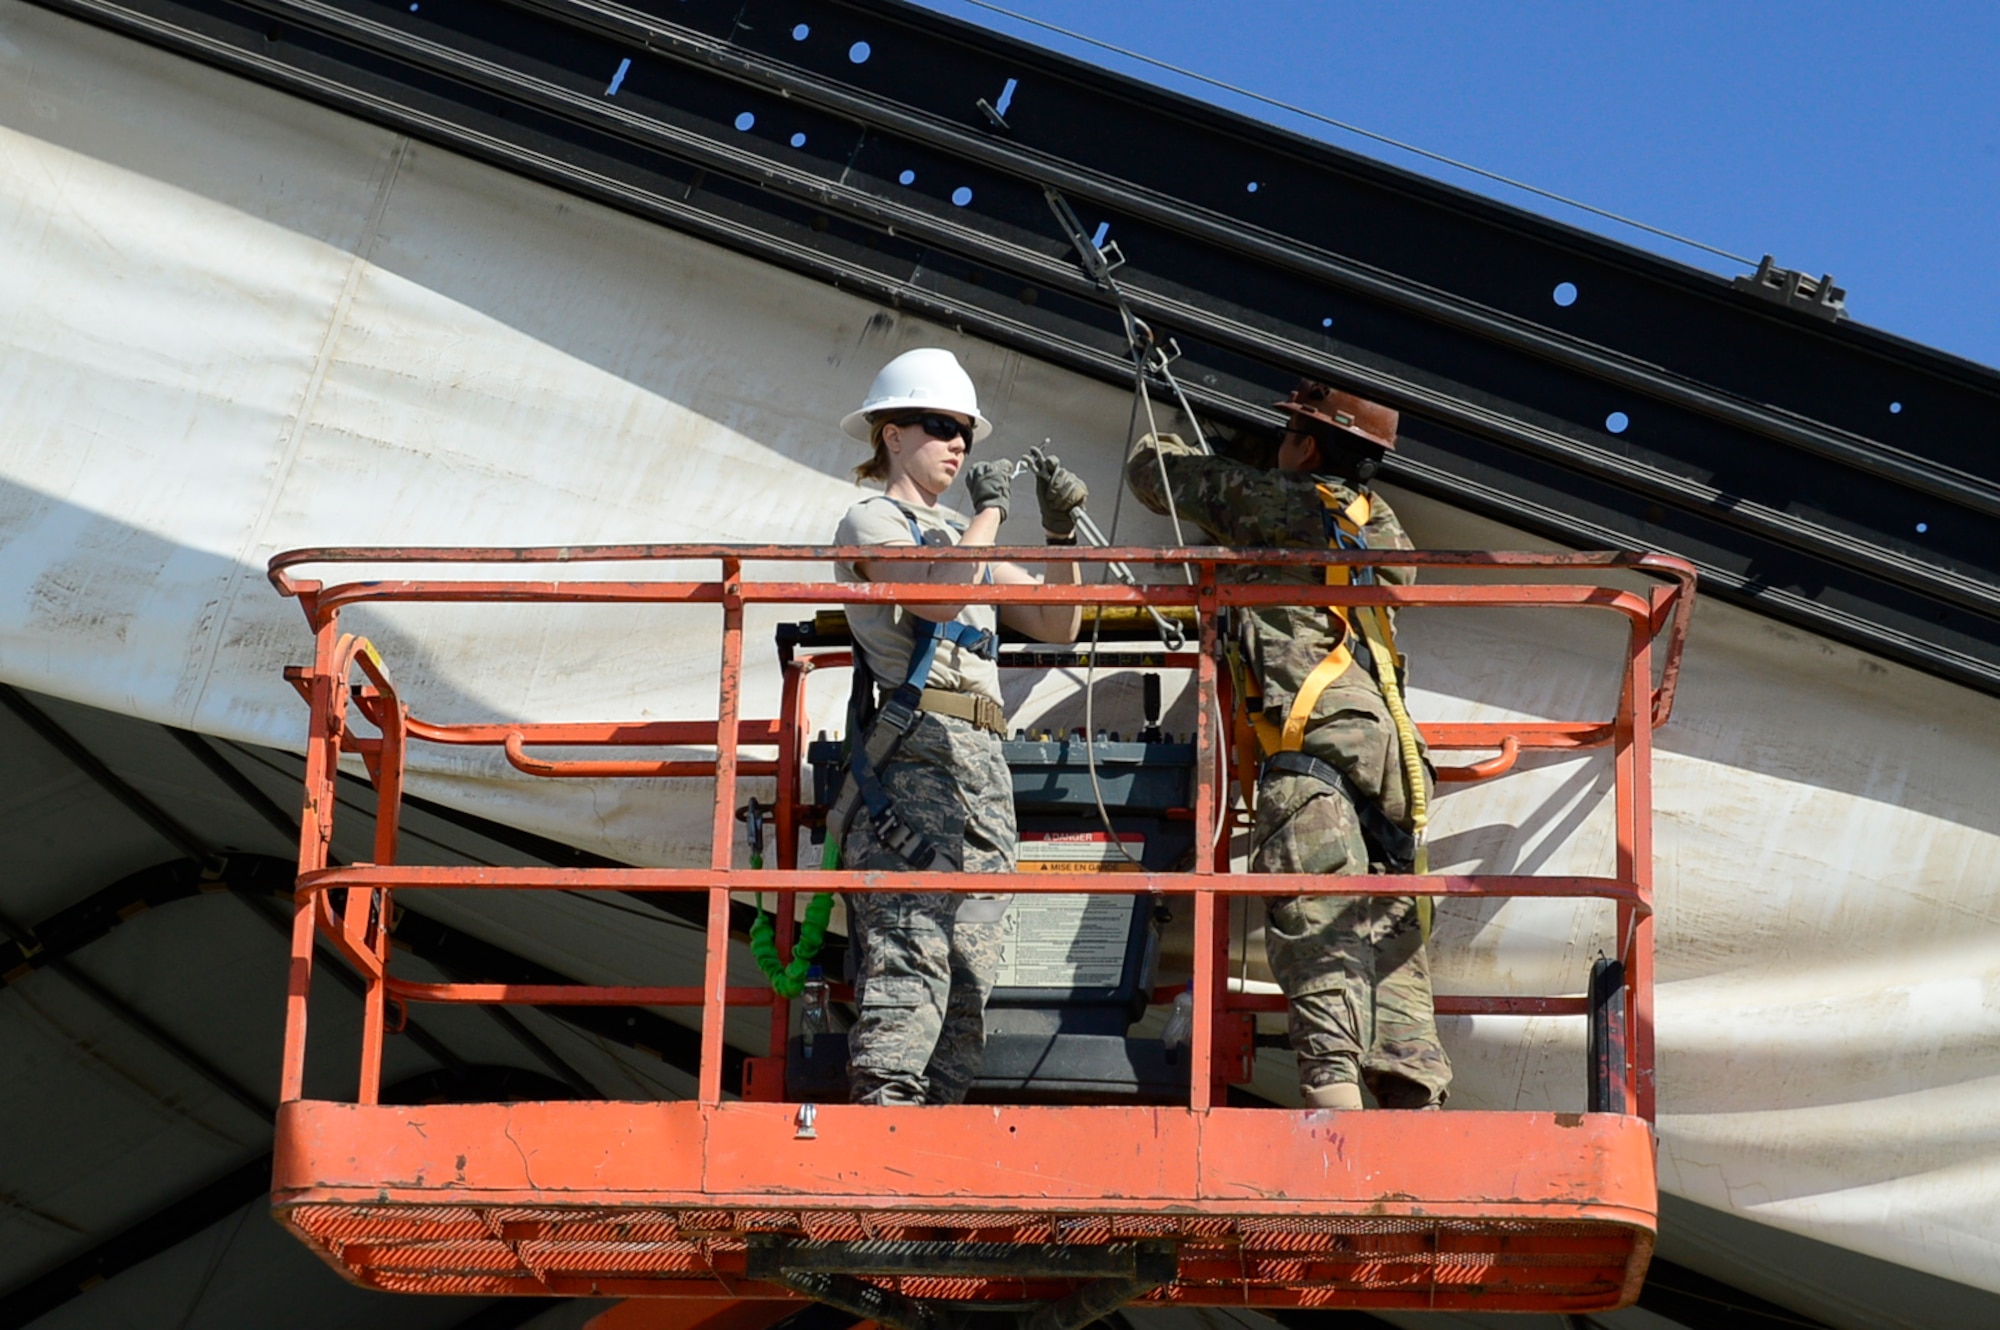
985, 644
904, 840
899, 713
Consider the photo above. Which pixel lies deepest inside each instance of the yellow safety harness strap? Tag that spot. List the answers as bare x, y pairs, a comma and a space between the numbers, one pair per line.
1331, 666
1380, 633
1354, 517
1355, 514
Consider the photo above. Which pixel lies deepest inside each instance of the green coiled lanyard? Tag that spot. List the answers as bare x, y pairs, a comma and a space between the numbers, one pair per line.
787, 981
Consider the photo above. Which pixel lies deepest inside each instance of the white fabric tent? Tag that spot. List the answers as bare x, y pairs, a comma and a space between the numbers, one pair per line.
232, 323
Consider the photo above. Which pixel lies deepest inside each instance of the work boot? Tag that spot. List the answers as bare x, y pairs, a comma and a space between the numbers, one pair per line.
1341, 1094
1393, 1091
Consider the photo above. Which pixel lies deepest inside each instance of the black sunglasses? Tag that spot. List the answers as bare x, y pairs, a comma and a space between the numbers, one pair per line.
938, 426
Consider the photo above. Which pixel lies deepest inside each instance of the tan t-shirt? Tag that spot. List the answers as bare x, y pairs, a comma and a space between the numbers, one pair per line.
887, 633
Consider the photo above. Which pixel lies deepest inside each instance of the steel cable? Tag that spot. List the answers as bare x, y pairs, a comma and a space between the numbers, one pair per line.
1350, 128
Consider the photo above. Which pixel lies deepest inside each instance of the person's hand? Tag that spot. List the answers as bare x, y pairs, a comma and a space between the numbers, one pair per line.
1059, 490
989, 484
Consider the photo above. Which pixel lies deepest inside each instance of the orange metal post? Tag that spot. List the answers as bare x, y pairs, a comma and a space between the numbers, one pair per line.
1224, 1040
723, 843
315, 837
1639, 970
389, 783
715, 996
374, 1023
298, 994
1201, 1042
1211, 929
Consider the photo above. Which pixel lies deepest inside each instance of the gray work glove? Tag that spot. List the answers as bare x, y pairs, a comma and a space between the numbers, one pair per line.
989, 483
1059, 490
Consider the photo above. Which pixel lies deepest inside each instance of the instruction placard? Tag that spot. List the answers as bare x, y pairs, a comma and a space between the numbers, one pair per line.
1069, 941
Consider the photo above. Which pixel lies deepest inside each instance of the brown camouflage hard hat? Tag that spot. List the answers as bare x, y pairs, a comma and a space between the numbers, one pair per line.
1315, 407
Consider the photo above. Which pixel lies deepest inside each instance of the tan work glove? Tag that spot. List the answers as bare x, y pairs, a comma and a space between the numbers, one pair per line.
1059, 490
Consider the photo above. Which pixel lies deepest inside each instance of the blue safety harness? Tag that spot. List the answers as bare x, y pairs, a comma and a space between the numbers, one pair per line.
899, 713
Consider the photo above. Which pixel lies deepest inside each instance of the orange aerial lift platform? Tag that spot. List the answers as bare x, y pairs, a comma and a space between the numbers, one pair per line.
1056, 1212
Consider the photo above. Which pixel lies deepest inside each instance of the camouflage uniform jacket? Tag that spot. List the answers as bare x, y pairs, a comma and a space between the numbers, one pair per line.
1246, 508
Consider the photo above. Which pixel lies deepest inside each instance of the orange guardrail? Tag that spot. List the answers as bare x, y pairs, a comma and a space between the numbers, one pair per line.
1656, 616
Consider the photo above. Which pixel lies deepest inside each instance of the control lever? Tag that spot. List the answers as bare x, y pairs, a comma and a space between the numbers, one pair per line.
1150, 701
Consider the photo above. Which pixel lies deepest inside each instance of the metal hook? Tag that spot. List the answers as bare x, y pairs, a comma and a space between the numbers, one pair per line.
1038, 462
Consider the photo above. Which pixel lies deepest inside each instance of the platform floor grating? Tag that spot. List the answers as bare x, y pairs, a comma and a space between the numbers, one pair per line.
1357, 1261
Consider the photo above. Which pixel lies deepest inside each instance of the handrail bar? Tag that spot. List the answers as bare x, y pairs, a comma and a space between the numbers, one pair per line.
482, 877
280, 565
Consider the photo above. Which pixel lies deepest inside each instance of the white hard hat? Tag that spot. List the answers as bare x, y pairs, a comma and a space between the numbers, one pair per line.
926, 379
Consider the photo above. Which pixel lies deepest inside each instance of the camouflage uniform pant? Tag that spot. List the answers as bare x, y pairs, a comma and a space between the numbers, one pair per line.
1353, 967
922, 975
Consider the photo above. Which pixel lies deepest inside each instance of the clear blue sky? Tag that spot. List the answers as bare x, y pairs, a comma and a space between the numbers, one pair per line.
1860, 139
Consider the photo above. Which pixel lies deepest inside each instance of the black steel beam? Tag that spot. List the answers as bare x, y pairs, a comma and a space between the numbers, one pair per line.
169, 828
274, 911
1700, 1303
258, 880
240, 785
1822, 472
181, 1219
460, 954
164, 1228
76, 926
278, 819
253, 879
38, 948
688, 907
541, 847
49, 943
132, 1018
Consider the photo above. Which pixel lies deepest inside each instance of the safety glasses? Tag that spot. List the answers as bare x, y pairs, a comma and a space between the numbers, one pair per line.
939, 426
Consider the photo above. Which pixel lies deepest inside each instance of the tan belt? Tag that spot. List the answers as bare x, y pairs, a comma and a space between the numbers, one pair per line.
981, 711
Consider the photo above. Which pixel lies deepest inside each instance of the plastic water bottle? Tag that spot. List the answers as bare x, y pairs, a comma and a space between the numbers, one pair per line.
1180, 1023
813, 1017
